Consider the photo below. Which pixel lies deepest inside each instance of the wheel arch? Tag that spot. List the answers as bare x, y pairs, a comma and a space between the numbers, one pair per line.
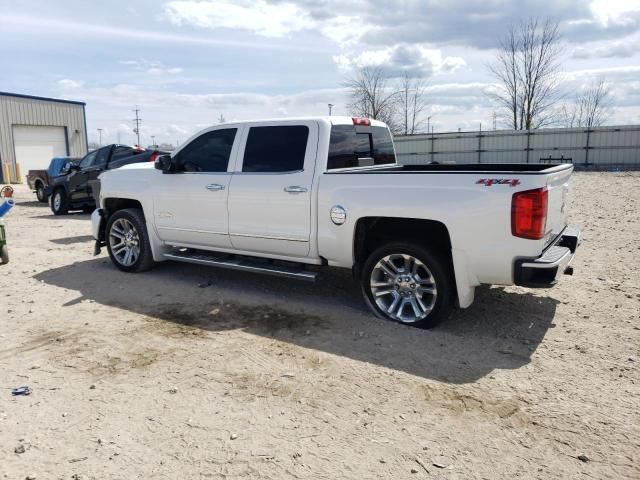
111, 205
372, 232
114, 204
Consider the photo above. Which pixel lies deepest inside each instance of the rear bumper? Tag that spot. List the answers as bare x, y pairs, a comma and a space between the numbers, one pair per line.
543, 272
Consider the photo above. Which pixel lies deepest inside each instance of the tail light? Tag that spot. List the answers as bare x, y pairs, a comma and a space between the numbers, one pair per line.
529, 214
361, 121
153, 156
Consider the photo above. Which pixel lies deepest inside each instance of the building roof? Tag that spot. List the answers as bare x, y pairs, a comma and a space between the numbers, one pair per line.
46, 99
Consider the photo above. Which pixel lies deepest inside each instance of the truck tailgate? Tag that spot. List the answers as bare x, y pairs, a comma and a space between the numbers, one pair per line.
557, 206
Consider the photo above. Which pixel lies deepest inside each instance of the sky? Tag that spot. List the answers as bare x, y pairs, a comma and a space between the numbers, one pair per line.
187, 62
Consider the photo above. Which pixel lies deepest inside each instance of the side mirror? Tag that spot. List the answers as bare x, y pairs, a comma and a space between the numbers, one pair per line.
69, 167
163, 162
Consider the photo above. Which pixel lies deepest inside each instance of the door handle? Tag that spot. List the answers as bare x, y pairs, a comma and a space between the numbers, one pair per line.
214, 186
295, 189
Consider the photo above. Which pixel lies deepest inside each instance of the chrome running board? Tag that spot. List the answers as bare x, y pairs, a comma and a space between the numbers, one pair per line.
245, 264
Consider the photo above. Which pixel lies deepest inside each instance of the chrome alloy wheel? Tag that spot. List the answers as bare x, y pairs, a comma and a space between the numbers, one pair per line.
124, 242
403, 288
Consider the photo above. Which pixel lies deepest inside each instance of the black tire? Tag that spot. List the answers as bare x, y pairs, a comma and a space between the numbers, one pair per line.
4, 255
60, 207
40, 195
135, 217
432, 268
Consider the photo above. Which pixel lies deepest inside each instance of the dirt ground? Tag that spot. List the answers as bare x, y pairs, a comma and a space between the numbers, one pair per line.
195, 373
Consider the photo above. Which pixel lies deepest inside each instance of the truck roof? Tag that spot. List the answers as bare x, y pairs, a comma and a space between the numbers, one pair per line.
334, 120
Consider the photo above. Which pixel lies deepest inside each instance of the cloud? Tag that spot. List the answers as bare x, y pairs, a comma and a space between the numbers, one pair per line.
68, 84
151, 67
22, 23
627, 48
171, 115
256, 16
400, 60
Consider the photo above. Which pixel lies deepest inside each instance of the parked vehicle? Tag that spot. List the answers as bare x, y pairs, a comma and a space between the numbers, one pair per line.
39, 180
74, 190
328, 192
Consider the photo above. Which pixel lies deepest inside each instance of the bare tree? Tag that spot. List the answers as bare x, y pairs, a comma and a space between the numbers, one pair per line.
372, 96
412, 101
528, 73
591, 107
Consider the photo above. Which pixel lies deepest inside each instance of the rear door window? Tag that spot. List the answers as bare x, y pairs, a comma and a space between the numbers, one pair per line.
103, 156
359, 147
122, 151
275, 149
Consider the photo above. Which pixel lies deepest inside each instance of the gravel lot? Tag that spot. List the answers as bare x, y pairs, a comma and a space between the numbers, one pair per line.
189, 372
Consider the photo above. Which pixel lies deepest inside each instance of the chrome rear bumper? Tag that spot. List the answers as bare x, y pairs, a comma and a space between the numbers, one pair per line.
543, 272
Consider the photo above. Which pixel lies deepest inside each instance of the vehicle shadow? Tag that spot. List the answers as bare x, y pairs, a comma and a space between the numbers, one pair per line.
31, 203
73, 215
72, 240
500, 331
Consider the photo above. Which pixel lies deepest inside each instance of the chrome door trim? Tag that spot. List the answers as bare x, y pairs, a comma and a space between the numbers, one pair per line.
192, 230
268, 237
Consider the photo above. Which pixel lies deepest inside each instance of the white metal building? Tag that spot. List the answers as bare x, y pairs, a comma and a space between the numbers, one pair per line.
589, 148
35, 129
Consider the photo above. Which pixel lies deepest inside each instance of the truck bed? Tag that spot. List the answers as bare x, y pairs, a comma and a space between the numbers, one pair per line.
524, 168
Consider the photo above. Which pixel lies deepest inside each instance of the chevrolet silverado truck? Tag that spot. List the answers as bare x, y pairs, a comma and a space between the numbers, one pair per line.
279, 196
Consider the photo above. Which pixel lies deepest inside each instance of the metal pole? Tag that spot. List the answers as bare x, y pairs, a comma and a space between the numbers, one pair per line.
433, 140
100, 136
330, 105
480, 144
138, 120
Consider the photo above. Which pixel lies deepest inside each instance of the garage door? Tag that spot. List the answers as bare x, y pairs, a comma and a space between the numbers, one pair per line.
36, 146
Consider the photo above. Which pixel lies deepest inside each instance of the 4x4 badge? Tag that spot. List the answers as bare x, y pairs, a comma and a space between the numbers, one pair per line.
487, 182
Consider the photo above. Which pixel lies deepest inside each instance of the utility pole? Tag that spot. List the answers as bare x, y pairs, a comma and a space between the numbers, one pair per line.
137, 121
428, 120
100, 136
153, 140
330, 108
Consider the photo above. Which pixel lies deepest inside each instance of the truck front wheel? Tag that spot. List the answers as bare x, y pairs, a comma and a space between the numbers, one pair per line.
407, 283
128, 241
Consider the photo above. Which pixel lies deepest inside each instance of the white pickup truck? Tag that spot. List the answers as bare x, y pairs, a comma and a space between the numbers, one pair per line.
277, 196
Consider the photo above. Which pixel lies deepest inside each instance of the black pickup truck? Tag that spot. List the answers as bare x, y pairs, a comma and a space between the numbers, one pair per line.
73, 191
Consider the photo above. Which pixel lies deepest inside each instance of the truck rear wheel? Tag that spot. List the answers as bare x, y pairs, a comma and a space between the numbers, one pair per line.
40, 195
128, 241
407, 283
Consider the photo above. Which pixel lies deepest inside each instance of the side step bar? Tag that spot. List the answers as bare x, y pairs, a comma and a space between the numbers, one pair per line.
241, 263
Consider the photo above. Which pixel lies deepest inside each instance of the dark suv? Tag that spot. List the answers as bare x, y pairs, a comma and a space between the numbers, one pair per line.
74, 191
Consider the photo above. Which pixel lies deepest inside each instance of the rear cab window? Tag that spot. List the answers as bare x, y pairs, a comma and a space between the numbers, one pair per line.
354, 146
